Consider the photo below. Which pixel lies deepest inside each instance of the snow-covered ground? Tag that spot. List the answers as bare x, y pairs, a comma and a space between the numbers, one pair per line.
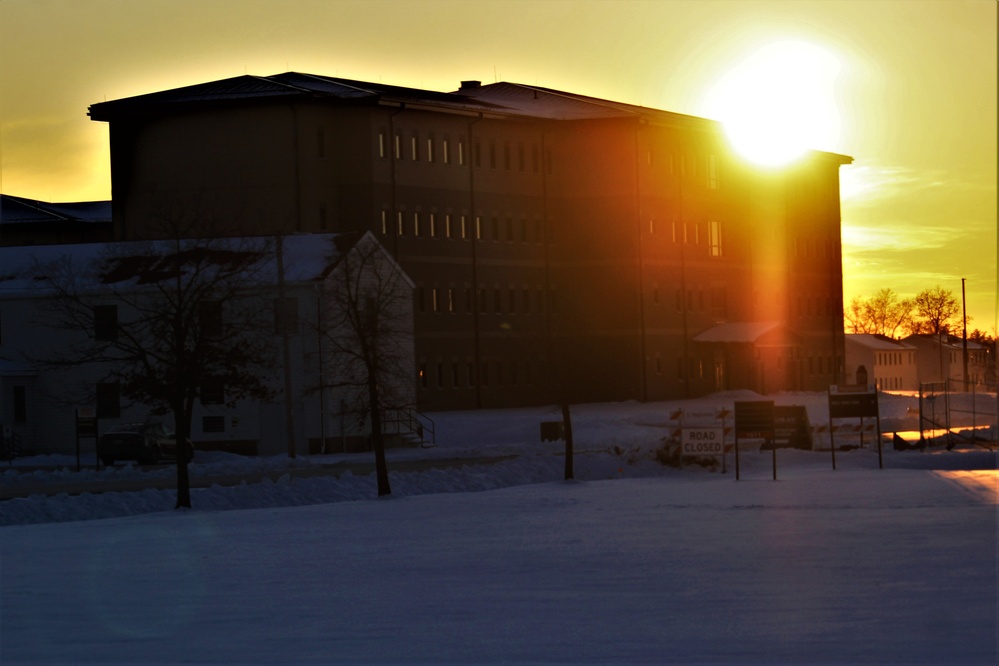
632, 562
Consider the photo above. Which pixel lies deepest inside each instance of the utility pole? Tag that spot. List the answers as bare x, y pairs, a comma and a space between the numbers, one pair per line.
964, 308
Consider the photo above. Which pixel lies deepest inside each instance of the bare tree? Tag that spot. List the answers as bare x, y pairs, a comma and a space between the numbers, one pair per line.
191, 317
936, 310
882, 314
367, 331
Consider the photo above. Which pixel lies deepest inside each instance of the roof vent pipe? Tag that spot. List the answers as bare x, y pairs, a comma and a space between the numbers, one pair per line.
470, 85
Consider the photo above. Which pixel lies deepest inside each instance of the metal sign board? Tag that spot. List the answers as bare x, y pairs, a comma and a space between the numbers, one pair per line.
852, 405
791, 427
754, 420
702, 441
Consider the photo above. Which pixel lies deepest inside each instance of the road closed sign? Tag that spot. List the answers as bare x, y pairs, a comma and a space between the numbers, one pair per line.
702, 441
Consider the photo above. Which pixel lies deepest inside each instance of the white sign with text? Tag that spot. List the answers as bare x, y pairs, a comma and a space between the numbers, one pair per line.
702, 441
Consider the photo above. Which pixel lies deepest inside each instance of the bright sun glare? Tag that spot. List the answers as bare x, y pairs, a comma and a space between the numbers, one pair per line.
778, 102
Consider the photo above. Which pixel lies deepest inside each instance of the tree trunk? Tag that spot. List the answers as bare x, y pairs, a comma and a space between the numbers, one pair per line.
377, 443
567, 425
183, 433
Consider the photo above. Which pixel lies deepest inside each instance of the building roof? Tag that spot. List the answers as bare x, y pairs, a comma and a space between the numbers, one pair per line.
20, 210
933, 340
497, 99
306, 258
877, 342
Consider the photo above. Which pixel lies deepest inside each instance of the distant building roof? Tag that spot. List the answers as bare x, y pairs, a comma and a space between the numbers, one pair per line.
20, 210
877, 342
931, 339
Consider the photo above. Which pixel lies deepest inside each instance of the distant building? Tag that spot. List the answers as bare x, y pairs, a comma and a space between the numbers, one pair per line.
889, 365
31, 222
941, 357
39, 399
563, 247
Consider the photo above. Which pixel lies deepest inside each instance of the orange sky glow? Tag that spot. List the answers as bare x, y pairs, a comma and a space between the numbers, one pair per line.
908, 88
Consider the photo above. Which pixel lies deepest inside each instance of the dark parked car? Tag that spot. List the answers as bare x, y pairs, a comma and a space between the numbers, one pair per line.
145, 443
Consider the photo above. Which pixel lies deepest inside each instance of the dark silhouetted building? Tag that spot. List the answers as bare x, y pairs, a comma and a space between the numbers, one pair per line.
562, 246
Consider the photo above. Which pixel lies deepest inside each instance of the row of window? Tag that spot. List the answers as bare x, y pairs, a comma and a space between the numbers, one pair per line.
506, 154
893, 358
510, 155
457, 375
446, 225
498, 300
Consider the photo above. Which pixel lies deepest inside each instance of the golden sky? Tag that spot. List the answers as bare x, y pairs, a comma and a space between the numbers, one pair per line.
907, 88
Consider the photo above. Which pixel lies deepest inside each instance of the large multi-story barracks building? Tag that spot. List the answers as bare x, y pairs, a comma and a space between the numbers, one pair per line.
563, 247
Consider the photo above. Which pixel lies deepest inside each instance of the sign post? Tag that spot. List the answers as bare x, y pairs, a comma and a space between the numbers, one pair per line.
853, 401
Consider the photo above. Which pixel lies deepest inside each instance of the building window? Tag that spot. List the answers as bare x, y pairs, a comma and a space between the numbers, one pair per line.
108, 400
461, 152
382, 147
495, 228
212, 424
430, 148
478, 228
446, 151
286, 315
498, 300
20, 404
106, 323
506, 155
464, 227
492, 154
416, 224
400, 224
450, 300
454, 375
440, 375
447, 225
423, 375
384, 223
414, 144
398, 145
433, 225
714, 238
470, 373
435, 300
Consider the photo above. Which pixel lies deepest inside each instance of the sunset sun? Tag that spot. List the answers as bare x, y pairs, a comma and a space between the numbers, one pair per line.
778, 102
